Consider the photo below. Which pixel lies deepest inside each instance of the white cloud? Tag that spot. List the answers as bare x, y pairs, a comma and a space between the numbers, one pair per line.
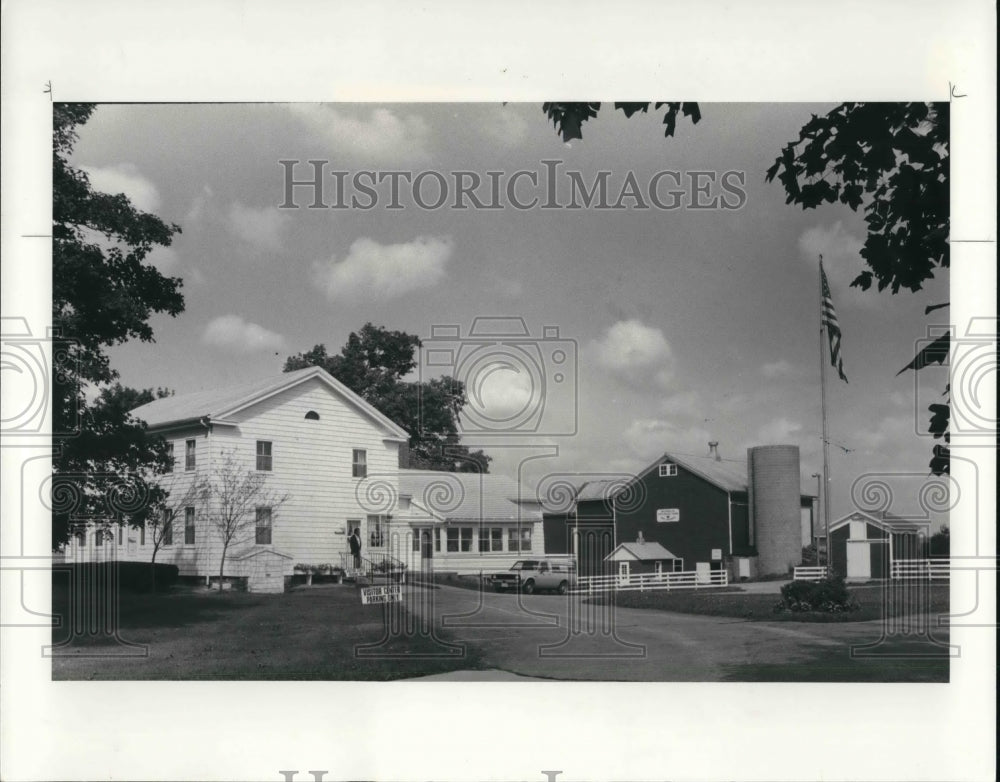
380, 137
776, 369
231, 332
500, 390
199, 206
386, 270
263, 228
630, 345
125, 178
842, 261
780, 431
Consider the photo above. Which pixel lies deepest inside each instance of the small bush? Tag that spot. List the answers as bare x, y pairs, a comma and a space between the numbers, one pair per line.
828, 595
131, 576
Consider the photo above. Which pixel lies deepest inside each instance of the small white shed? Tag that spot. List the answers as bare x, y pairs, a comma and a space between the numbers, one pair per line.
264, 569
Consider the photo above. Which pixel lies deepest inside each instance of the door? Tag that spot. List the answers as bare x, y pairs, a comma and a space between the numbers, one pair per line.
859, 559
623, 573
426, 548
658, 569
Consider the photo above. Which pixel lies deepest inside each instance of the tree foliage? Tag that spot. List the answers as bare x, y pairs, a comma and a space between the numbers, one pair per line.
568, 118
373, 364
888, 160
104, 292
891, 161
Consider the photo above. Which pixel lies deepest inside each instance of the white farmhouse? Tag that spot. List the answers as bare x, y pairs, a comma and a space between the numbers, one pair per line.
333, 455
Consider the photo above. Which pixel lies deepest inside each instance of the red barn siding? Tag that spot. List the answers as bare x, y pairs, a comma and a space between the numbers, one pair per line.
704, 516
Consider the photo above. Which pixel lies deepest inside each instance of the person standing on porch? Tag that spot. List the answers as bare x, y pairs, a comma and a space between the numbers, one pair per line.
355, 542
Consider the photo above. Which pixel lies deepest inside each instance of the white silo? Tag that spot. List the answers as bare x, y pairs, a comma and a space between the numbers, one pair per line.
773, 479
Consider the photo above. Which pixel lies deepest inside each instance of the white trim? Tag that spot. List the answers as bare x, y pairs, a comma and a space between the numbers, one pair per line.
335, 385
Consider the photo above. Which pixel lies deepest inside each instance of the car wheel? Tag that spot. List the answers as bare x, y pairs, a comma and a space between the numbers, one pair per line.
528, 587
563, 588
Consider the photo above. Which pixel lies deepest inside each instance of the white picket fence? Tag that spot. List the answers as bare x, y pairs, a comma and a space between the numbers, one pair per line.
809, 573
647, 582
931, 569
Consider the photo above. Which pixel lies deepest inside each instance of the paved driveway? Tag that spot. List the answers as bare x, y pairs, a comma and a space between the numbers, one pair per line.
564, 638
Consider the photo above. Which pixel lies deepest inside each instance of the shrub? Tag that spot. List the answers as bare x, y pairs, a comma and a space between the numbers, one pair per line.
132, 576
828, 595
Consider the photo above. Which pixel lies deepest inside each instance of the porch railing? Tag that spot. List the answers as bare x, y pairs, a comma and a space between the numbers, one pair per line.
374, 566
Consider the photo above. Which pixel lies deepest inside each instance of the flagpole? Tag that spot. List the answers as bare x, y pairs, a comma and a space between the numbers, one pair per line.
826, 448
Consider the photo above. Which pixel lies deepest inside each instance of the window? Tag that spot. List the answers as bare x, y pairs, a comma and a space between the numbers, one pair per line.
437, 539
519, 539
668, 470
359, 464
189, 454
168, 529
263, 527
378, 529
264, 455
491, 538
120, 534
312, 415
142, 534
81, 539
188, 526
459, 539
170, 457
99, 537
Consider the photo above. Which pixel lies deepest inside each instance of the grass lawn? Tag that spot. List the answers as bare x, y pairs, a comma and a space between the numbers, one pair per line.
822, 666
308, 633
757, 606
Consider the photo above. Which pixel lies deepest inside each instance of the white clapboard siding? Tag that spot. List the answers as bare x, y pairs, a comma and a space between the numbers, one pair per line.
311, 463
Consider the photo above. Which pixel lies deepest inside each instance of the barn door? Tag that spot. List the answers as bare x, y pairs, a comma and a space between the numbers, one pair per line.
859, 559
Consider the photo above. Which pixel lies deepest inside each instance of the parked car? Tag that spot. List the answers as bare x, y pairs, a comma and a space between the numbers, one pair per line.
531, 575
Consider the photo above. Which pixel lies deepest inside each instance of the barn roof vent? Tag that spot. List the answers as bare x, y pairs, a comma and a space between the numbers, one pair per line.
713, 450
640, 539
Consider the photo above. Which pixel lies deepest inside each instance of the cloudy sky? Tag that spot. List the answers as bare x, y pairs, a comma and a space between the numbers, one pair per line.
684, 325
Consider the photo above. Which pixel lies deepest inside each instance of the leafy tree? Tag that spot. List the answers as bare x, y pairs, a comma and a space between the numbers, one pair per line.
179, 491
233, 494
940, 543
890, 160
373, 364
568, 118
103, 293
105, 472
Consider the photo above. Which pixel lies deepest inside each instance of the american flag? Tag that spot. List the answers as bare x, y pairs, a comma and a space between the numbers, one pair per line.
832, 326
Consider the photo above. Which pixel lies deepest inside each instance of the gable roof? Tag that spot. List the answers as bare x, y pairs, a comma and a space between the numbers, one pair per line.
729, 475
469, 496
884, 521
644, 551
216, 404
